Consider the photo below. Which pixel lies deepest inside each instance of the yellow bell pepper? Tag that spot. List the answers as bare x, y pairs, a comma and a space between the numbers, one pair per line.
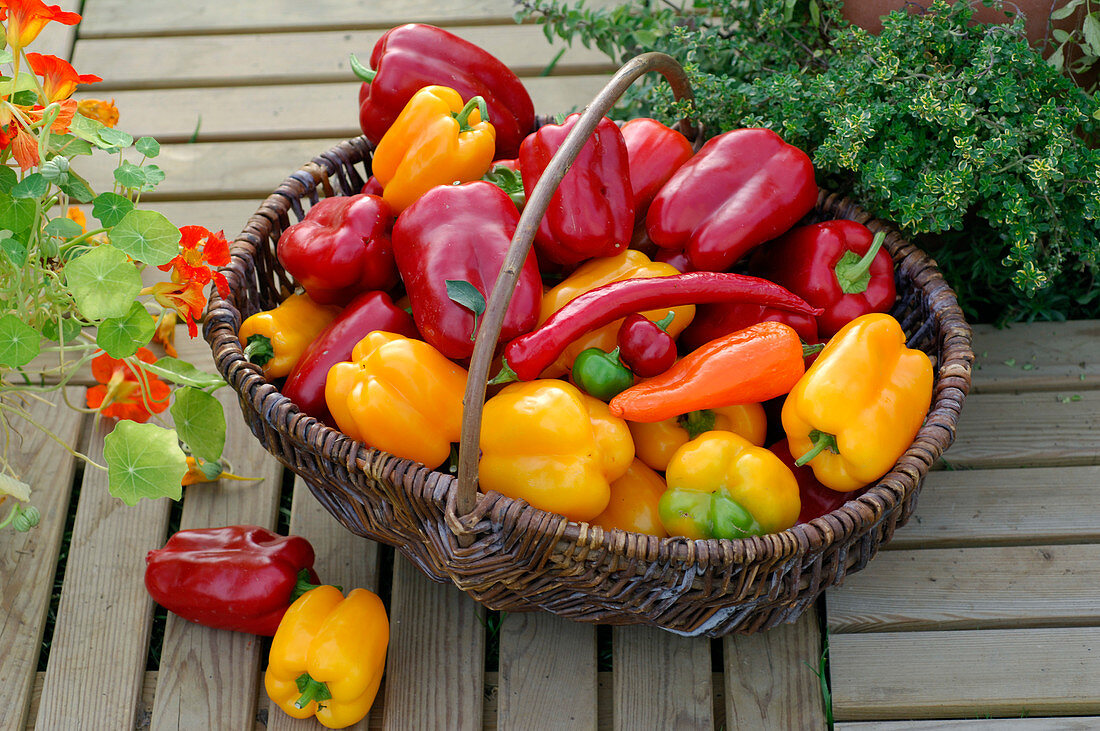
720, 485
435, 140
634, 502
546, 442
656, 442
327, 656
630, 264
859, 406
275, 339
398, 395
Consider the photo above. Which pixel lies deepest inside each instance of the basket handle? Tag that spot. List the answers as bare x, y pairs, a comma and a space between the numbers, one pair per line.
533, 211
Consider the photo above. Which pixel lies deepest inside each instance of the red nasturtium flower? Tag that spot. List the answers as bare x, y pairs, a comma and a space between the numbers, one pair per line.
27, 18
119, 393
59, 78
191, 273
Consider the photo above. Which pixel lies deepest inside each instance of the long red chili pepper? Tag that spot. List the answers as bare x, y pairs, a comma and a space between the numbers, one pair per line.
528, 355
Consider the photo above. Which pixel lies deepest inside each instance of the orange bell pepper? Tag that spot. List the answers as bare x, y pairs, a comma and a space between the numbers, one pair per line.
634, 502
436, 140
398, 395
656, 442
275, 339
860, 404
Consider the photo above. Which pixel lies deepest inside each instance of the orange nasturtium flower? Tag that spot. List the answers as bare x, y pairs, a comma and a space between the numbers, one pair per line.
191, 272
100, 110
26, 19
165, 333
59, 78
119, 392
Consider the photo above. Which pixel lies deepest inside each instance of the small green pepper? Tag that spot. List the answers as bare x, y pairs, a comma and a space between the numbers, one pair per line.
601, 374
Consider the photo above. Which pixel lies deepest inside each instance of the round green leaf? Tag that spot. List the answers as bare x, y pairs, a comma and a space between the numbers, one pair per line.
143, 461
13, 248
34, 185
62, 227
147, 236
110, 208
116, 137
129, 175
103, 282
148, 146
66, 332
19, 342
200, 422
121, 337
16, 215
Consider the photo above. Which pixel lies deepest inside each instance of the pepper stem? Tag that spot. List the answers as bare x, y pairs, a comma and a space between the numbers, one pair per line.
506, 375
809, 349
665, 321
821, 441
696, 422
259, 350
311, 690
303, 585
478, 102
365, 73
853, 274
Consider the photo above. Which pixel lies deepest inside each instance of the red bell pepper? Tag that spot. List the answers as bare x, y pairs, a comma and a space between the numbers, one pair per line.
655, 152
450, 245
591, 213
240, 577
716, 319
409, 57
370, 311
341, 248
838, 266
817, 500
741, 189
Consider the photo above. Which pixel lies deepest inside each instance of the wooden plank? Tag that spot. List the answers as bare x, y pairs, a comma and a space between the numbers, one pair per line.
547, 673
343, 559
1028, 430
770, 677
1079, 723
219, 114
970, 588
435, 670
963, 674
1004, 507
113, 18
302, 58
1040, 356
661, 680
28, 560
97, 660
207, 675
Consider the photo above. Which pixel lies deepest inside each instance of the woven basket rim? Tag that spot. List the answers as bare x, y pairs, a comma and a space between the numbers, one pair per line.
954, 364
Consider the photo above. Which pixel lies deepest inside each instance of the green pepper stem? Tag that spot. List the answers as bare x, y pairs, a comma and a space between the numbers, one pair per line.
821, 441
697, 422
665, 321
506, 375
312, 690
478, 102
303, 585
850, 276
808, 349
365, 73
259, 349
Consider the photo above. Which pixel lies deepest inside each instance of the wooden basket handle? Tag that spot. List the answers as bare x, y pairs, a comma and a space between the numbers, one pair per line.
533, 211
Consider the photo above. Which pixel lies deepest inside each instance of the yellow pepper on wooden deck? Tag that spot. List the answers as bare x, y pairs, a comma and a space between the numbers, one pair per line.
327, 656
398, 395
860, 405
435, 140
546, 442
275, 339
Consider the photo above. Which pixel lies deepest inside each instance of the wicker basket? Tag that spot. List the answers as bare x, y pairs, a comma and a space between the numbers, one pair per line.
510, 556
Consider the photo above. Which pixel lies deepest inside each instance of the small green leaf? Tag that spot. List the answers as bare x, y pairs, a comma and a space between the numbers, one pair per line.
116, 137
1091, 28
64, 228
88, 129
70, 145
148, 146
147, 236
1011, 362
1066, 10
16, 215
66, 332
5, 56
466, 295
200, 422
8, 179
77, 188
13, 248
103, 282
19, 342
110, 208
34, 185
130, 175
154, 176
26, 97
183, 373
143, 461
121, 337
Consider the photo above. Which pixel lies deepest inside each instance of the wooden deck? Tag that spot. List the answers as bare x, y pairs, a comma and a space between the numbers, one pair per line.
986, 606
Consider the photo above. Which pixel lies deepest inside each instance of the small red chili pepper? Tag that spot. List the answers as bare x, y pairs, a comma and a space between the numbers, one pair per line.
644, 346
529, 355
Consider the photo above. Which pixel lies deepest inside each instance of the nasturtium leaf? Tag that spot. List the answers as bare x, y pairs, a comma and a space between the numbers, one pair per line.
19, 342
65, 332
183, 373
16, 215
116, 137
25, 97
8, 179
103, 282
121, 337
110, 208
148, 146
147, 236
200, 422
89, 129
154, 176
62, 227
77, 188
6, 56
130, 175
13, 249
70, 145
34, 185
143, 461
